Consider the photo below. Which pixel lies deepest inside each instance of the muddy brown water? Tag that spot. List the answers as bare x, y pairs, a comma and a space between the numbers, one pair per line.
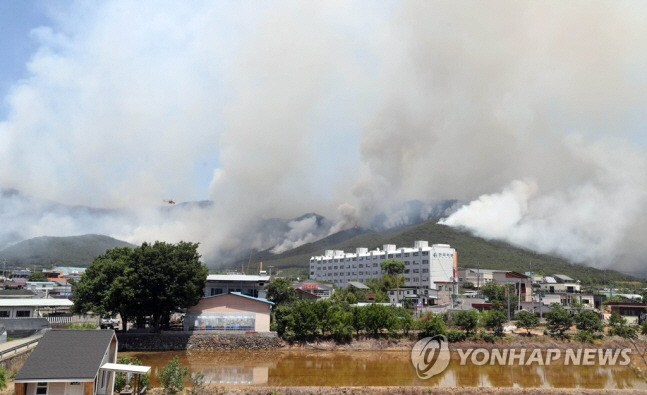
379, 368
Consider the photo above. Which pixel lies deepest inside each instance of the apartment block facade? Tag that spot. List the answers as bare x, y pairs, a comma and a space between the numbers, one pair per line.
424, 264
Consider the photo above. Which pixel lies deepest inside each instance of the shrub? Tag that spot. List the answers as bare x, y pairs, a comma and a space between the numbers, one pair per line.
585, 337
197, 384
618, 326
431, 324
527, 320
172, 376
589, 321
643, 328
494, 320
467, 320
558, 321
454, 336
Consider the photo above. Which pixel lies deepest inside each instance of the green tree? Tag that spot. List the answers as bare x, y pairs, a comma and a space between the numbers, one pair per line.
405, 321
172, 376
280, 291
107, 286
151, 280
494, 320
618, 326
379, 317
358, 319
558, 320
168, 277
431, 324
392, 267
37, 276
527, 320
589, 321
467, 320
305, 318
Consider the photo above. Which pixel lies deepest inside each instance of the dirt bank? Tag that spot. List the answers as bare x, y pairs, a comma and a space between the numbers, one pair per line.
402, 390
541, 342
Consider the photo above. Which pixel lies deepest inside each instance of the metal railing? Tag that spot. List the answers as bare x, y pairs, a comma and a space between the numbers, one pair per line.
15, 349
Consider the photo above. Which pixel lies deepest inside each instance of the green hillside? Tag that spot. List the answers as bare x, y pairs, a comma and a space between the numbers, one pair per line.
472, 251
62, 251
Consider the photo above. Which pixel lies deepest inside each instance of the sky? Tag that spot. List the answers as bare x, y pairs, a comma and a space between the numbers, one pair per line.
530, 114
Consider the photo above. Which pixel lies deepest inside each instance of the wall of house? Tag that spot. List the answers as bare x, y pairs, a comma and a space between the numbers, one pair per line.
236, 304
56, 389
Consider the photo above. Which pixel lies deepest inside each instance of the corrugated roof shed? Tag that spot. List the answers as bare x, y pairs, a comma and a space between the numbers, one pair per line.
66, 354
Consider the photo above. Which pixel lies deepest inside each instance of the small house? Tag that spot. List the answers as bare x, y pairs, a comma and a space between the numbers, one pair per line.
229, 312
73, 362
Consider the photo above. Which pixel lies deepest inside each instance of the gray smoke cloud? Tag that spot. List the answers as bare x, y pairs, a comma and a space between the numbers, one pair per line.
531, 111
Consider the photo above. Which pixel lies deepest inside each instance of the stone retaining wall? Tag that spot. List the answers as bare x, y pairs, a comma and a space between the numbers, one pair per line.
172, 341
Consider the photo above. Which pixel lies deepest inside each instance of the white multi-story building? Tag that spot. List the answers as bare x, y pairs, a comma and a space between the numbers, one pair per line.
424, 264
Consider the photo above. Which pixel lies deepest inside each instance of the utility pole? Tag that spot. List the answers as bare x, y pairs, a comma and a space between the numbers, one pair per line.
532, 279
507, 288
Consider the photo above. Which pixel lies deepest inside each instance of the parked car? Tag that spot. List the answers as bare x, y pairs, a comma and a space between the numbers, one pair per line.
109, 322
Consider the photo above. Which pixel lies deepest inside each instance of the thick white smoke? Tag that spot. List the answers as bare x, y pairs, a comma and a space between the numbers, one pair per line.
347, 109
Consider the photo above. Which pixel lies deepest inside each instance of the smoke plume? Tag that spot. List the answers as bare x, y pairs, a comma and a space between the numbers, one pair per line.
533, 112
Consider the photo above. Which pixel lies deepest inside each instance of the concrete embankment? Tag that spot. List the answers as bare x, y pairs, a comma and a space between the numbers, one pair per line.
174, 341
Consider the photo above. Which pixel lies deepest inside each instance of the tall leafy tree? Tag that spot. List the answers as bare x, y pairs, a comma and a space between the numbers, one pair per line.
151, 280
558, 320
281, 292
168, 277
106, 287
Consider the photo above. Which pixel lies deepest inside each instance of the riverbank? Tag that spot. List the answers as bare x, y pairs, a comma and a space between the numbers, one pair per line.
512, 341
249, 390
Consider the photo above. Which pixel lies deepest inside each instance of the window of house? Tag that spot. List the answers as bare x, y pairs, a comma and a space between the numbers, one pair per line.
415, 254
41, 389
23, 313
425, 253
406, 254
4, 313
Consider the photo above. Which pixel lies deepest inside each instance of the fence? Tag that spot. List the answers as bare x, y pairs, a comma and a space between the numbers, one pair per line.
73, 319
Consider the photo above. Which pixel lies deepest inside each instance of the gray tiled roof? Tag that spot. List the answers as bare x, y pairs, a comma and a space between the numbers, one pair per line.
67, 354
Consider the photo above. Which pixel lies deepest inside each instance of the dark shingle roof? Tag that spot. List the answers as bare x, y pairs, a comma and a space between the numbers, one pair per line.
67, 354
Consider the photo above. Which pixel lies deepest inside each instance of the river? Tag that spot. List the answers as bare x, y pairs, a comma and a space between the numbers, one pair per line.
378, 368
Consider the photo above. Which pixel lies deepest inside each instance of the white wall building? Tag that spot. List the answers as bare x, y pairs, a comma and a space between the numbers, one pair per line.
424, 264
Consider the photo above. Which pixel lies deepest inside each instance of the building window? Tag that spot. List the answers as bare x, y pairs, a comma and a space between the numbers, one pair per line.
406, 254
425, 262
4, 314
425, 253
416, 270
41, 389
23, 313
415, 254
375, 264
406, 270
425, 270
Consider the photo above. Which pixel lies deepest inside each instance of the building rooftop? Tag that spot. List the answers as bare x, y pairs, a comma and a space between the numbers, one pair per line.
563, 277
241, 295
33, 302
357, 285
66, 355
237, 277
